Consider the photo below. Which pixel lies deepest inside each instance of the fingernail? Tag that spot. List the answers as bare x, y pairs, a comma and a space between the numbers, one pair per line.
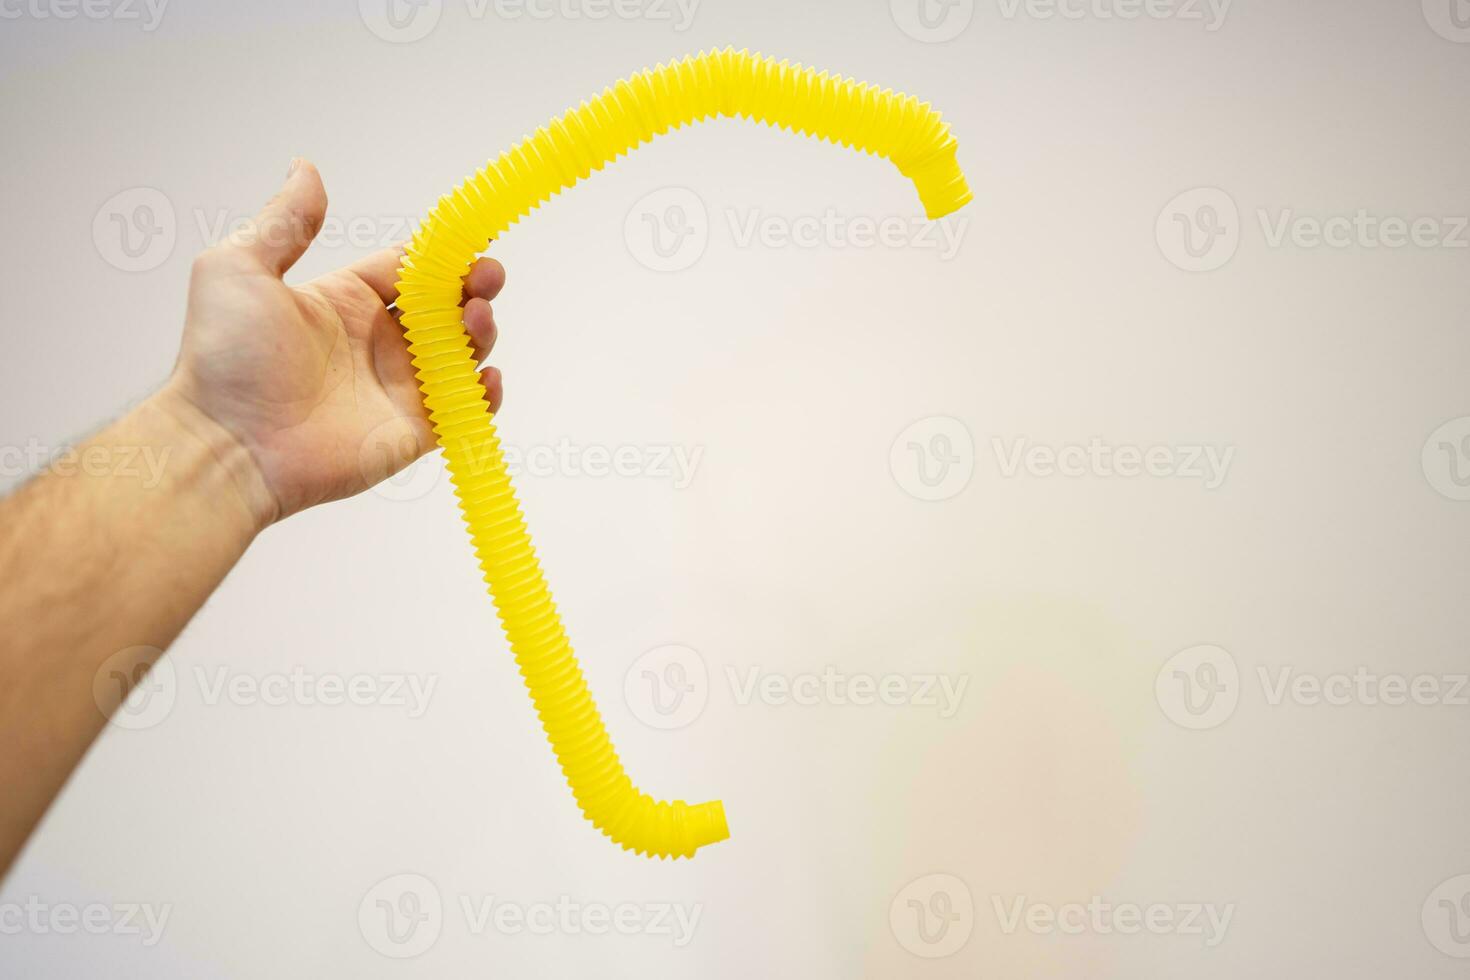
295, 166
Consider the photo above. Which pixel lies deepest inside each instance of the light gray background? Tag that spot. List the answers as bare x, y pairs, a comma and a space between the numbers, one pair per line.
1330, 831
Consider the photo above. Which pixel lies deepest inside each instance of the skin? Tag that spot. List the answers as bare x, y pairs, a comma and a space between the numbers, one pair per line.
282, 398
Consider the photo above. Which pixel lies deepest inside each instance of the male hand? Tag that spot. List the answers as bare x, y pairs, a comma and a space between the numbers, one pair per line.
313, 381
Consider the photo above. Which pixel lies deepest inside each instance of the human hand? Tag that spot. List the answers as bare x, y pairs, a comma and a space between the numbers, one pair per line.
305, 377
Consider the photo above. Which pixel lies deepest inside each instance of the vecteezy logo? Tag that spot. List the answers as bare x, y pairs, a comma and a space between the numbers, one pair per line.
934, 458
132, 695
1446, 459
135, 230
1446, 917
932, 21
1450, 19
1199, 231
400, 21
1199, 687
667, 230
667, 687
932, 916
401, 916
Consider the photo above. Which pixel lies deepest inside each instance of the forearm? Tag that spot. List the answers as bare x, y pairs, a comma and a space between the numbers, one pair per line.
113, 548
291, 392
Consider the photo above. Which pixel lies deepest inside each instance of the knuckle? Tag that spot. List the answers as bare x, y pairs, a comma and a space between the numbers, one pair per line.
210, 259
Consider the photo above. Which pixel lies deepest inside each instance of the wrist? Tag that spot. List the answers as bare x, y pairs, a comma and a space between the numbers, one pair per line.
212, 458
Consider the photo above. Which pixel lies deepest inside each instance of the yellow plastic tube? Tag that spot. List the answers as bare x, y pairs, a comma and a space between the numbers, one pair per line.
715, 83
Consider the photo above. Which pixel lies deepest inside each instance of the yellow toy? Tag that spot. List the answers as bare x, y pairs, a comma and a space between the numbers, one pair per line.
715, 83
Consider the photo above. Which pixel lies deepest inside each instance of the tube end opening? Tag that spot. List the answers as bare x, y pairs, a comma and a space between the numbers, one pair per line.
707, 824
941, 185
944, 193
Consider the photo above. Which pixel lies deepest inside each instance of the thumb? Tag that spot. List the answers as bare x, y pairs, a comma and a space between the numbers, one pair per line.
284, 228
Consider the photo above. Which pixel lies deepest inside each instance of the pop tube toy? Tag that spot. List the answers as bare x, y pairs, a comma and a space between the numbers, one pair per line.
430, 278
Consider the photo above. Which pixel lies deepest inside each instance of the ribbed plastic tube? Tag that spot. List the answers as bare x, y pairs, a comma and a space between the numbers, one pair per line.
716, 83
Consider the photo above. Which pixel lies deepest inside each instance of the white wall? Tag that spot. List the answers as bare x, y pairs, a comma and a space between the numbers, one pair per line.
1322, 830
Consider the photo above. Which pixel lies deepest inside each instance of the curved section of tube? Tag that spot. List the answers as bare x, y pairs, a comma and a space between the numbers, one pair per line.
716, 83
